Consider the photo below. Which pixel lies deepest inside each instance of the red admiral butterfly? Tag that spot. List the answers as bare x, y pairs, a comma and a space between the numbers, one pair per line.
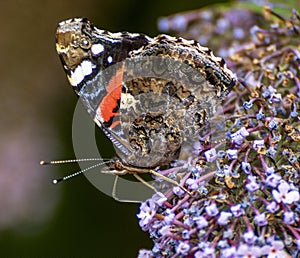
148, 95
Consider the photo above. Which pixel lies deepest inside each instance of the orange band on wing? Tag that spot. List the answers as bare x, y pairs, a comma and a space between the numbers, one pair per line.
109, 103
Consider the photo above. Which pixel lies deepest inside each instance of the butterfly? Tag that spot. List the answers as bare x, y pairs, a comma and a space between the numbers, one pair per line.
149, 96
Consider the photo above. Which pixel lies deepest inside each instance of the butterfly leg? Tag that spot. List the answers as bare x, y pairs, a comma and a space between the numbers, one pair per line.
114, 190
114, 193
153, 172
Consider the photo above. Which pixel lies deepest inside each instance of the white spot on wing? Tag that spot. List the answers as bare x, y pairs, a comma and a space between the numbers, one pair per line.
86, 67
109, 59
188, 42
117, 34
97, 49
82, 70
127, 100
202, 48
77, 76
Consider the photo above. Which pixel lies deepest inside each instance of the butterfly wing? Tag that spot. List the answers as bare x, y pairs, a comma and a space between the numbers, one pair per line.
93, 60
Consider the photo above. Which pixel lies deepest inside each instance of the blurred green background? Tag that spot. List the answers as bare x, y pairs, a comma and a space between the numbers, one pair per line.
73, 219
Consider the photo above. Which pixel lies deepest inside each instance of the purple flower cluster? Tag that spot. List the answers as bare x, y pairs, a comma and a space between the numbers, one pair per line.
211, 26
242, 200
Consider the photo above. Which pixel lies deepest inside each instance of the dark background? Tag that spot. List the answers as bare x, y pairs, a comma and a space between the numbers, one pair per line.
38, 219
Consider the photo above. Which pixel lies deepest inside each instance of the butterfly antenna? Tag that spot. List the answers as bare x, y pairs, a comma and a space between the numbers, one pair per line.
64, 178
56, 162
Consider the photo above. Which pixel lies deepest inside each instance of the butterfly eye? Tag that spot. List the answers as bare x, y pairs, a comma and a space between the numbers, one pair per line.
85, 43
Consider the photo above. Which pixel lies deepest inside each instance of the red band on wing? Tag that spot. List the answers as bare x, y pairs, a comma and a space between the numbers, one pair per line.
110, 101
